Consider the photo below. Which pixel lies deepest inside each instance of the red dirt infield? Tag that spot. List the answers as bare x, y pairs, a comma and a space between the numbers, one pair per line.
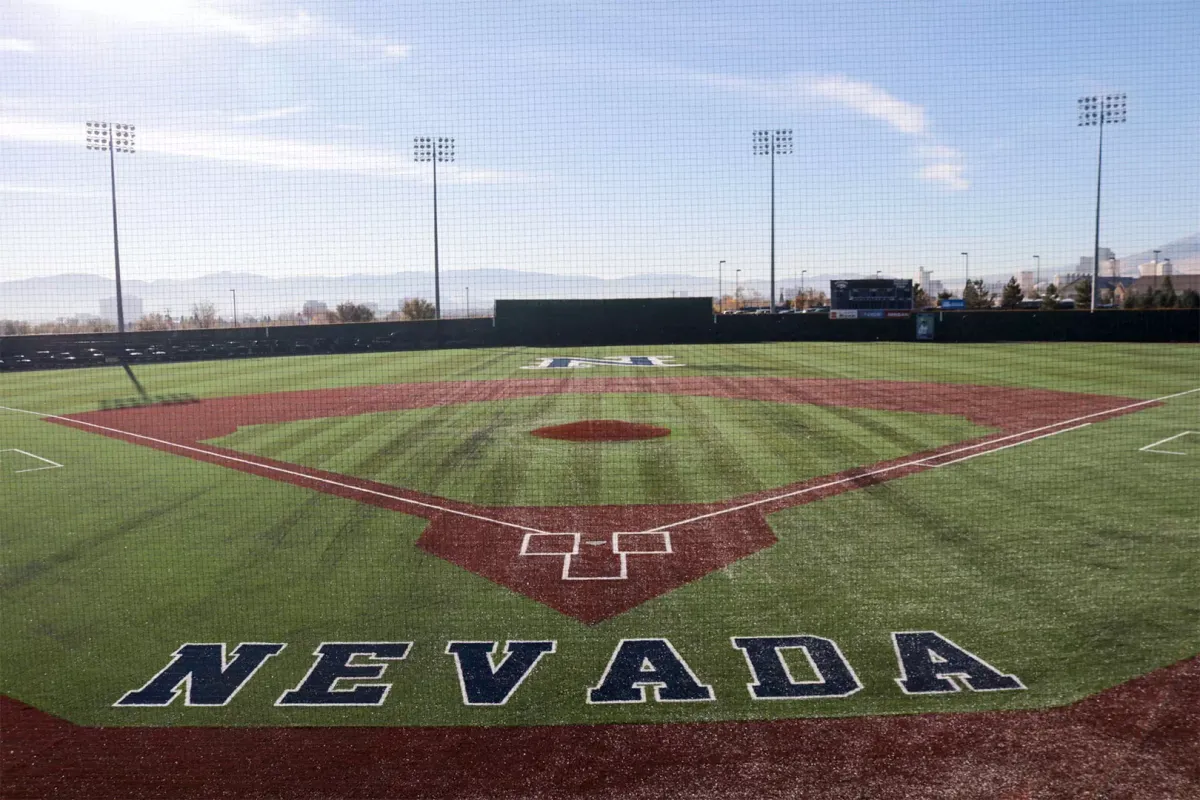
601, 430
1138, 741
595, 576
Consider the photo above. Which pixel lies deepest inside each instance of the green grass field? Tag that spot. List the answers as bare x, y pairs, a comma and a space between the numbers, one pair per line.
1069, 562
717, 448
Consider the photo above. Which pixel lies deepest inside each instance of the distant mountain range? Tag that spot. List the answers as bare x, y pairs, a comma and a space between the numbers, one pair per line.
51, 297
48, 298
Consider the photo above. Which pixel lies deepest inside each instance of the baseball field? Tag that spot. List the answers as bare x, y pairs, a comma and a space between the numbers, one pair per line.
484, 537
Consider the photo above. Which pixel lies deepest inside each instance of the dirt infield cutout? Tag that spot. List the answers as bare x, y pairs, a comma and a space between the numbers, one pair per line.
595, 576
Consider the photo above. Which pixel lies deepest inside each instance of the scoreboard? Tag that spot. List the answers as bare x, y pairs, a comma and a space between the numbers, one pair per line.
887, 294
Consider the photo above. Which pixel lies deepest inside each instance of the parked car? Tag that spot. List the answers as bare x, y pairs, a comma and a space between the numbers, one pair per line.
91, 355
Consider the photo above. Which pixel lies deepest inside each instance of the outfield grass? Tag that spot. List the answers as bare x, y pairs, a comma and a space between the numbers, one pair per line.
1069, 561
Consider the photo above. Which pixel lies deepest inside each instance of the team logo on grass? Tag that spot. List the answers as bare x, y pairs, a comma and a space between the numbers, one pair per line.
592, 562
352, 673
572, 362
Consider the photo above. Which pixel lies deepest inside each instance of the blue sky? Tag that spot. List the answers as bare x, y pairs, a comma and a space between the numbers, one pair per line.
606, 138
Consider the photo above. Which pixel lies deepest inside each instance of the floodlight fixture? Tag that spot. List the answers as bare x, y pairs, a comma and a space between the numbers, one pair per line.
113, 137
432, 150
772, 142
1098, 110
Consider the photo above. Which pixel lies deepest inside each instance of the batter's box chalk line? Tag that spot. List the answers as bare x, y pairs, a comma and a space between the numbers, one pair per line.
52, 464
1153, 446
612, 552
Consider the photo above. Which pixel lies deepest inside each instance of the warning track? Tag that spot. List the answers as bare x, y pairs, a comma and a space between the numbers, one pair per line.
1136, 741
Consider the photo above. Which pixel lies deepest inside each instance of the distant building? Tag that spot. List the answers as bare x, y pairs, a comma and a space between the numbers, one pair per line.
132, 306
1025, 278
1110, 265
313, 308
1148, 283
1159, 269
922, 278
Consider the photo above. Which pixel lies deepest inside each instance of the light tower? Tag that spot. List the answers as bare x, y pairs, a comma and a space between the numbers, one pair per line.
1099, 110
434, 149
773, 142
113, 138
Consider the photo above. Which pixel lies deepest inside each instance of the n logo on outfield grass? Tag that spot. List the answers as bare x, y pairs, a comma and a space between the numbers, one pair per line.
570, 362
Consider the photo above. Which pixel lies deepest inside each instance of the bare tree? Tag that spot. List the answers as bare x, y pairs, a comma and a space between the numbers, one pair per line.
154, 322
418, 308
204, 315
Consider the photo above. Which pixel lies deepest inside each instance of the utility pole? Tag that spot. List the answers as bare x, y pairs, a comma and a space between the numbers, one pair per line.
773, 142
1098, 111
720, 286
433, 150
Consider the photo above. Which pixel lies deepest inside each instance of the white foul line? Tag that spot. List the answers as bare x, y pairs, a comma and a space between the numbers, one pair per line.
1149, 448
281, 470
926, 462
920, 462
53, 464
916, 462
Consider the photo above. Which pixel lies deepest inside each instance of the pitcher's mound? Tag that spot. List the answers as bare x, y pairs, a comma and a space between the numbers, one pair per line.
601, 430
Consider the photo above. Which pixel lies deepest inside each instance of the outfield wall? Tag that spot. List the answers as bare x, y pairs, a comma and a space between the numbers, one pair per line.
1173, 325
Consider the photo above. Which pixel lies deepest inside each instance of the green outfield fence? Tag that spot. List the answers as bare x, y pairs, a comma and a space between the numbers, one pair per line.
621, 324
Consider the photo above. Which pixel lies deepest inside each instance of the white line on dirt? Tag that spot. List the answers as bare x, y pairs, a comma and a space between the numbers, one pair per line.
1150, 447
280, 470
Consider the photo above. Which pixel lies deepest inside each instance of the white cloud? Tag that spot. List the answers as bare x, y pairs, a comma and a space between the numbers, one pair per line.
942, 164
198, 16
9, 188
260, 151
17, 46
868, 100
270, 114
948, 175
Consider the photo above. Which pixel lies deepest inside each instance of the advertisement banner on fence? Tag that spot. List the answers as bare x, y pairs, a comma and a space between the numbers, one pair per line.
844, 313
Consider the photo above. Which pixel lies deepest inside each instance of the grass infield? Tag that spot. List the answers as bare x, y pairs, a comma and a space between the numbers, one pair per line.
1068, 561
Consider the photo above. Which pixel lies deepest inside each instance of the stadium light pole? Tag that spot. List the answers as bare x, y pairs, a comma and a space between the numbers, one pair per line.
966, 272
737, 290
234, 293
771, 143
1156, 252
804, 297
1099, 110
113, 138
1037, 274
434, 149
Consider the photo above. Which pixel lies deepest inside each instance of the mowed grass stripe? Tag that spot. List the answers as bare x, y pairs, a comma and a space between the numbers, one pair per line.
484, 453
